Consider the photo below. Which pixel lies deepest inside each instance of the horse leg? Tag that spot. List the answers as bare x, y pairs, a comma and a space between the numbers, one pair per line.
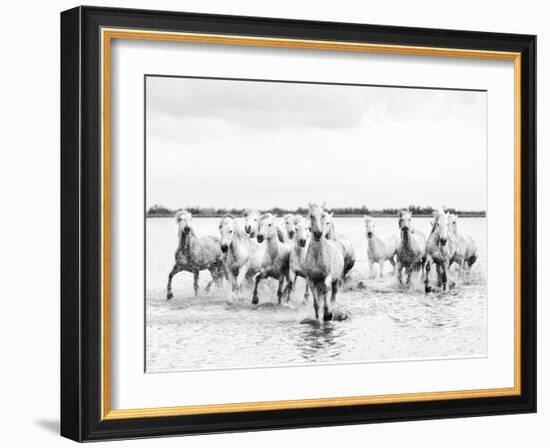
409, 274
381, 264
209, 285
280, 288
173, 272
444, 275
471, 261
334, 290
439, 274
220, 274
315, 295
306, 293
423, 262
371, 269
259, 277
327, 313
217, 277
232, 279
290, 285
399, 273
392, 262
464, 268
239, 278
427, 287
196, 282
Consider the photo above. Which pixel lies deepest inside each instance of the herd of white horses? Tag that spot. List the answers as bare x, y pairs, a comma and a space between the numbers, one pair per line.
309, 247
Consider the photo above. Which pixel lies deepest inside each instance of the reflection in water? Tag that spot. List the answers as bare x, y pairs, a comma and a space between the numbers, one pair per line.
321, 341
385, 322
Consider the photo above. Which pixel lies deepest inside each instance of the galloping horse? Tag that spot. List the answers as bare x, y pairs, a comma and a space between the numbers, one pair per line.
195, 254
343, 243
379, 249
324, 263
275, 261
298, 253
411, 248
439, 249
465, 254
242, 257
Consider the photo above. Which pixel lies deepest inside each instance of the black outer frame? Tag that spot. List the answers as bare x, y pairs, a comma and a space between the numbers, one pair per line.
80, 223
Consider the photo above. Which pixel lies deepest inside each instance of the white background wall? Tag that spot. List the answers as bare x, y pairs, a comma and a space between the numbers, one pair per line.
29, 225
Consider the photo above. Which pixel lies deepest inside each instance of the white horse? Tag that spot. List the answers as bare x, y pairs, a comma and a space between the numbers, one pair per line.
324, 264
379, 249
439, 250
466, 253
195, 254
345, 246
411, 250
276, 258
298, 253
242, 257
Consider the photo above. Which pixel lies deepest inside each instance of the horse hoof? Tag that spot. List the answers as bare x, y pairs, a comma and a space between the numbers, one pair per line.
327, 317
169, 296
427, 289
255, 300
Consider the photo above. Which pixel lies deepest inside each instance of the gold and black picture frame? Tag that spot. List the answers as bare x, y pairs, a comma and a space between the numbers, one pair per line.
92, 171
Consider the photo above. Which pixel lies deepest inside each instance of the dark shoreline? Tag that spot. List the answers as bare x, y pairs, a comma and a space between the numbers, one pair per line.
373, 215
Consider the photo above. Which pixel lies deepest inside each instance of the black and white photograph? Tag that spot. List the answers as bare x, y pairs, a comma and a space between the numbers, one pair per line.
300, 223
286, 220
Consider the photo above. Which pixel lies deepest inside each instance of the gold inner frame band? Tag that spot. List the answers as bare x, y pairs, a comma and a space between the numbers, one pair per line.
107, 35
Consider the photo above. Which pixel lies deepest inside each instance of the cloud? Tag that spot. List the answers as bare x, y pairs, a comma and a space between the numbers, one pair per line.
241, 143
255, 104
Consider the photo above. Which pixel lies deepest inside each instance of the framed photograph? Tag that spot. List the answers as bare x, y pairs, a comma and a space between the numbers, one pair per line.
273, 223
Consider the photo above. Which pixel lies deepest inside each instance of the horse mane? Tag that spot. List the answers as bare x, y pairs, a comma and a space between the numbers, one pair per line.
312, 206
180, 212
266, 216
436, 214
404, 212
249, 211
238, 231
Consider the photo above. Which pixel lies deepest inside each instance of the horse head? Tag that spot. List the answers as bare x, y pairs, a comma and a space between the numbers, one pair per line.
317, 218
267, 228
452, 223
440, 226
251, 220
290, 226
405, 219
303, 230
183, 218
369, 225
328, 224
228, 229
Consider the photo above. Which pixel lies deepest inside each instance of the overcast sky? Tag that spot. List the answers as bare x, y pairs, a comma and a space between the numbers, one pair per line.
229, 143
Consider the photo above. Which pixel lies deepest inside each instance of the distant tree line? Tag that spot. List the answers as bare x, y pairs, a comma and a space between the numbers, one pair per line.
209, 212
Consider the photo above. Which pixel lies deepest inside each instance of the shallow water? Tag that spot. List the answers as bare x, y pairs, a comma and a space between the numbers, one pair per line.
213, 331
